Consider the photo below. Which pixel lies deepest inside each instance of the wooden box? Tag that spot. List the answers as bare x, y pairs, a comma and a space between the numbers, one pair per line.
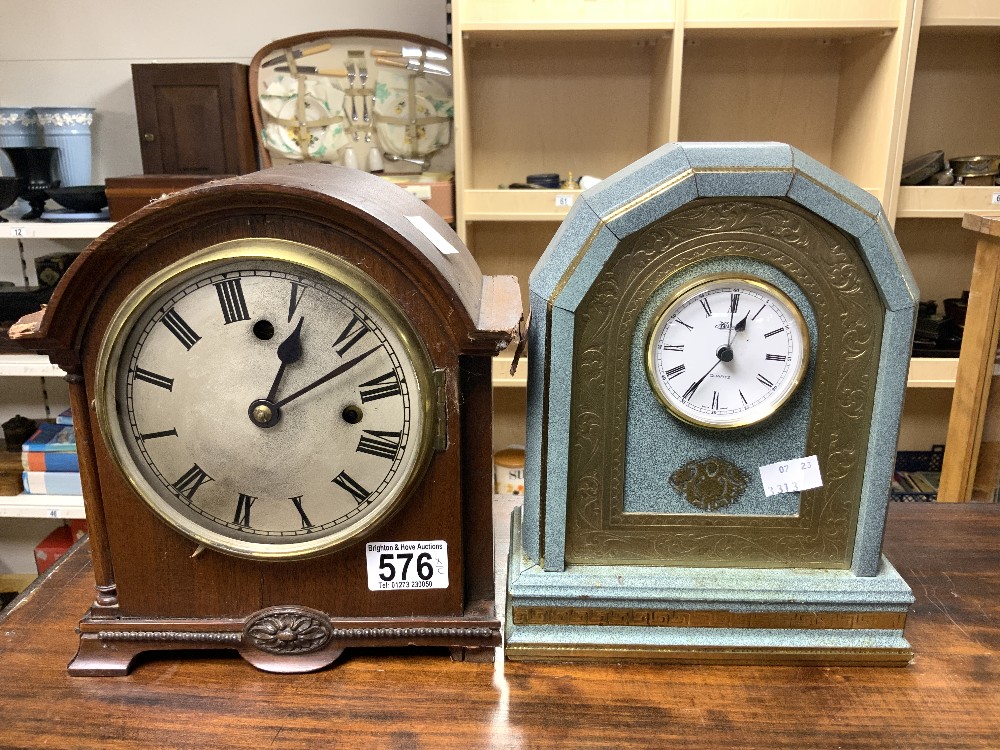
128, 194
194, 118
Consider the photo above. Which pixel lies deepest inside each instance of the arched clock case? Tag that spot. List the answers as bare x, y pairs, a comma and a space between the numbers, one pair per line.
281, 386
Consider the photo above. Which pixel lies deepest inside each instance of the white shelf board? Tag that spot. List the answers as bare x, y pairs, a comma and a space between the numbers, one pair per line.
925, 372
25, 230
42, 506
922, 202
28, 365
501, 373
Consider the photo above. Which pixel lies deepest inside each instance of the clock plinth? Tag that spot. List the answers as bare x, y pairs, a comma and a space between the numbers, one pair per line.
708, 312
281, 388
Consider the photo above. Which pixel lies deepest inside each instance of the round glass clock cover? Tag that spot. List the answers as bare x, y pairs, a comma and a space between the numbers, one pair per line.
726, 351
266, 399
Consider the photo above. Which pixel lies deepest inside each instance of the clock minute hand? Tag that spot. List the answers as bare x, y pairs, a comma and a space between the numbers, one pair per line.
329, 376
289, 351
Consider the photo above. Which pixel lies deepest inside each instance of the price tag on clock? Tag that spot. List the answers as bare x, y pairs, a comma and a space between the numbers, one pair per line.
796, 475
407, 565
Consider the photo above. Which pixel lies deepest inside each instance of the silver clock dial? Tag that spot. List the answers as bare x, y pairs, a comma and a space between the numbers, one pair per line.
727, 351
266, 407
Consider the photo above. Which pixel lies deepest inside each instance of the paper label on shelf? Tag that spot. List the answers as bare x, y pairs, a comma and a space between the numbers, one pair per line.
433, 235
795, 475
393, 566
563, 200
423, 192
996, 199
20, 232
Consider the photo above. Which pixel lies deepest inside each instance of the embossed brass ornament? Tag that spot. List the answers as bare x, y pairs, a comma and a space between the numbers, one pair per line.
709, 483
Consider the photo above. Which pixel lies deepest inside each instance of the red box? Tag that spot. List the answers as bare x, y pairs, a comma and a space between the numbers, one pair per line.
77, 527
52, 547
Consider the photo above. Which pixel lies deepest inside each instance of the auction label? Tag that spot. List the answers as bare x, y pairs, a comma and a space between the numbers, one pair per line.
407, 565
796, 475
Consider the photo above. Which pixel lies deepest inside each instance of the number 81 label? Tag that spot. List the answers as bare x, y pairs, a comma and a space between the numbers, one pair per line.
407, 565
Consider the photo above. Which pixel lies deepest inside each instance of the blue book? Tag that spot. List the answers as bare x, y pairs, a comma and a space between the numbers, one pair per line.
51, 437
65, 417
50, 461
52, 482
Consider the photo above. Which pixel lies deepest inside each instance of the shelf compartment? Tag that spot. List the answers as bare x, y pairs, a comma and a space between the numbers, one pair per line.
42, 506
565, 105
832, 100
52, 230
955, 101
945, 202
518, 205
780, 14
563, 15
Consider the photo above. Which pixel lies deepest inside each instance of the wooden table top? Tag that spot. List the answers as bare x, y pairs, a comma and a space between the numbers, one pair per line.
948, 697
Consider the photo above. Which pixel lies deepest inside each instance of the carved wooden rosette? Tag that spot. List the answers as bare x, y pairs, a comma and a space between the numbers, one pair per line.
831, 273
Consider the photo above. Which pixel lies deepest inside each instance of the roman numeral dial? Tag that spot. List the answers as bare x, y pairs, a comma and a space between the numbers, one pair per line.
262, 403
727, 351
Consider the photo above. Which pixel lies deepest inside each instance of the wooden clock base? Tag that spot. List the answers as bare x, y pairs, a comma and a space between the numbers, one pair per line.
286, 639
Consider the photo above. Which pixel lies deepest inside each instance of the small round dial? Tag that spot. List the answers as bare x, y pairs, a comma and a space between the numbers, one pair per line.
726, 351
266, 399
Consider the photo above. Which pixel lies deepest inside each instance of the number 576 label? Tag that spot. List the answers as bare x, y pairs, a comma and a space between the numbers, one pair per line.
407, 565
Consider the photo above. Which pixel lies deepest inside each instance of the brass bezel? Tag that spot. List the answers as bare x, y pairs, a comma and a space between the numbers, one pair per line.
316, 261
667, 305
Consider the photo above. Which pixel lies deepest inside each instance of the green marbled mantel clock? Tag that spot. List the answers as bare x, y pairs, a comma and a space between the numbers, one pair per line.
718, 353
281, 386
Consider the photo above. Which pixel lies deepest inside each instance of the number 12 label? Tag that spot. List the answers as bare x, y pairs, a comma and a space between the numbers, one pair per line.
407, 565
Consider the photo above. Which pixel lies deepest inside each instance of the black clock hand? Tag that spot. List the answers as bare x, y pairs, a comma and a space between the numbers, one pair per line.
724, 354
289, 351
329, 376
742, 325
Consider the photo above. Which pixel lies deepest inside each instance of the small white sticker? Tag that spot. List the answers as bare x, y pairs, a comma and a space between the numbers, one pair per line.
563, 200
407, 565
433, 235
795, 475
996, 199
20, 232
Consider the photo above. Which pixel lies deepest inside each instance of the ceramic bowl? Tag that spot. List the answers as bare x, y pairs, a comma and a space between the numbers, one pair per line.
81, 198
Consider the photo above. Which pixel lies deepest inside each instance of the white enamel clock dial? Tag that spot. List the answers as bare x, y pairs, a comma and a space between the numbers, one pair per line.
727, 351
266, 399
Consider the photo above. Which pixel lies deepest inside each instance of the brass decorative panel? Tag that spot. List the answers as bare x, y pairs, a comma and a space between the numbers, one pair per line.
830, 272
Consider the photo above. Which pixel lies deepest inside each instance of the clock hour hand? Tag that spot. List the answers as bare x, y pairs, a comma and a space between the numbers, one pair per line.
289, 351
339, 370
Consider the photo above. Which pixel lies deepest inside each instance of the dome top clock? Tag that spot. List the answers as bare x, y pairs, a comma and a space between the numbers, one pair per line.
281, 385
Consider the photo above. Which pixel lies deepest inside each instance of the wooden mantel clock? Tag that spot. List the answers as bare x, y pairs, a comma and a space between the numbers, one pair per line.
281, 385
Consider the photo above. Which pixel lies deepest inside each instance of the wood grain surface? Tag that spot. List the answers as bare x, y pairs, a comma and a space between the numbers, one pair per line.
946, 698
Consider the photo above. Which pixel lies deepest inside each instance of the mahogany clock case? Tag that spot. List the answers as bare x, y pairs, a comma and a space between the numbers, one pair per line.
146, 572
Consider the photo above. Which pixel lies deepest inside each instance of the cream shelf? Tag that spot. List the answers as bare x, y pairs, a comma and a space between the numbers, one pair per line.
42, 506
953, 202
781, 14
566, 15
19, 230
518, 205
28, 365
931, 372
925, 372
960, 13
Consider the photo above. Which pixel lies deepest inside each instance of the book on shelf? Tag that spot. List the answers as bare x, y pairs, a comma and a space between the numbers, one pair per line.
65, 417
51, 461
52, 482
51, 437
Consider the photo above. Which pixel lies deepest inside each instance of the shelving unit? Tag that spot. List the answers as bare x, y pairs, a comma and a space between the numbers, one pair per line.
588, 86
20, 240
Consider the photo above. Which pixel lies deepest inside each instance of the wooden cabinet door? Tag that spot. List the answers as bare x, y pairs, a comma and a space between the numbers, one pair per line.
194, 118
